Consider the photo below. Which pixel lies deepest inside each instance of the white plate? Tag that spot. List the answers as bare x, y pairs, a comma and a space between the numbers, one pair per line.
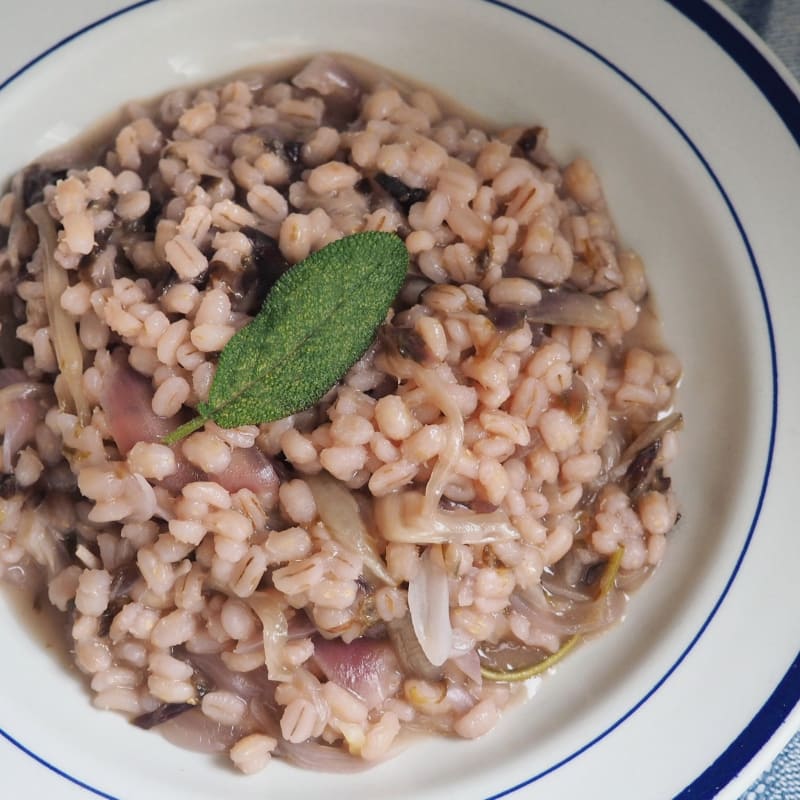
694, 129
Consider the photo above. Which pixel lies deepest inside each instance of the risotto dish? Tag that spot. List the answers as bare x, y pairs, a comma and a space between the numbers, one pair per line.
476, 493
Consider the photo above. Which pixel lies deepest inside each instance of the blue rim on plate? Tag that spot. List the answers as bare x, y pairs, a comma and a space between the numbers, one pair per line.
786, 104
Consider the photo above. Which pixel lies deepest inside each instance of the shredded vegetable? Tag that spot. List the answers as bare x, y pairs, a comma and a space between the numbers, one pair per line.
650, 434
429, 606
439, 394
409, 651
530, 671
406, 517
269, 607
63, 333
577, 309
338, 509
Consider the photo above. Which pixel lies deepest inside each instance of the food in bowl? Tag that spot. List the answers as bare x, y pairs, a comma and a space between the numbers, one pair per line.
472, 498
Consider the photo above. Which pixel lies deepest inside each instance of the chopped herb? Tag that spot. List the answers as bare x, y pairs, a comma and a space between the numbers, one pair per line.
317, 321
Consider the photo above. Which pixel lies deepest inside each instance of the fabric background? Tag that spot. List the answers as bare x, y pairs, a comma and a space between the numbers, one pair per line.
777, 22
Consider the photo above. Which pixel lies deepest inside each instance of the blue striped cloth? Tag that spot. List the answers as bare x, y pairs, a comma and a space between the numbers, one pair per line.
782, 780
778, 24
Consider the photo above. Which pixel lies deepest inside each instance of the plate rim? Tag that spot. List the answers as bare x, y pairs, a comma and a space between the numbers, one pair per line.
780, 89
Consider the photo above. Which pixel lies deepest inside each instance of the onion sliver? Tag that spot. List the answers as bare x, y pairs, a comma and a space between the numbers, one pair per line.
405, 517
338, 509
270, 608
438, 393
63, 334
429, 606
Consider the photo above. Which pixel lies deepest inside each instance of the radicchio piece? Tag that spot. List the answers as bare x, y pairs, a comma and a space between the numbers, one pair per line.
367, 667
127, 402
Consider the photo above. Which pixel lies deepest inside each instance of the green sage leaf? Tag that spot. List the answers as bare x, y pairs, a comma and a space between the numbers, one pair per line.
317, 321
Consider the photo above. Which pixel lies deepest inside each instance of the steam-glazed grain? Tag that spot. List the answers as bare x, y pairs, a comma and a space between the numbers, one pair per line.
321, 585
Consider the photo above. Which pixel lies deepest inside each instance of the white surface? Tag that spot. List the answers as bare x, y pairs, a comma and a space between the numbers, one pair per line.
668, 208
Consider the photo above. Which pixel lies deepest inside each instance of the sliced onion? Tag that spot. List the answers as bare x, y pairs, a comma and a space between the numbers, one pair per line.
301, 626
367, 667
569, 579
247, 685
576, 309
42, 543
126, 399
584, 617
611, 451
538, 667
405, 517
267, 716
566, 591
63, 333
193, 730
409, 651
320, 757
251, 469
429, 607
307, 755
326, 76
459, 698
596, 615
470, 665
22, 407
339, 511
652, 433
270, 607
439, 393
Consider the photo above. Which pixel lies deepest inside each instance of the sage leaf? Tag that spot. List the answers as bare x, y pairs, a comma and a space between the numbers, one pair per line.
317, 321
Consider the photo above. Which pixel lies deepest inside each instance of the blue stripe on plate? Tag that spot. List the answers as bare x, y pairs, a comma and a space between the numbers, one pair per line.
787, 106
769, 718
752, 62
728, 768
54, 768
59, 44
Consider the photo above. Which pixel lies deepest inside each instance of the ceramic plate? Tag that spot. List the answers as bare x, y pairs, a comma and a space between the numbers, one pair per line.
694, 129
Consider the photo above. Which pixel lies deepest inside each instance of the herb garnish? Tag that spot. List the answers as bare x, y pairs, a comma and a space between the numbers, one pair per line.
317, 321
